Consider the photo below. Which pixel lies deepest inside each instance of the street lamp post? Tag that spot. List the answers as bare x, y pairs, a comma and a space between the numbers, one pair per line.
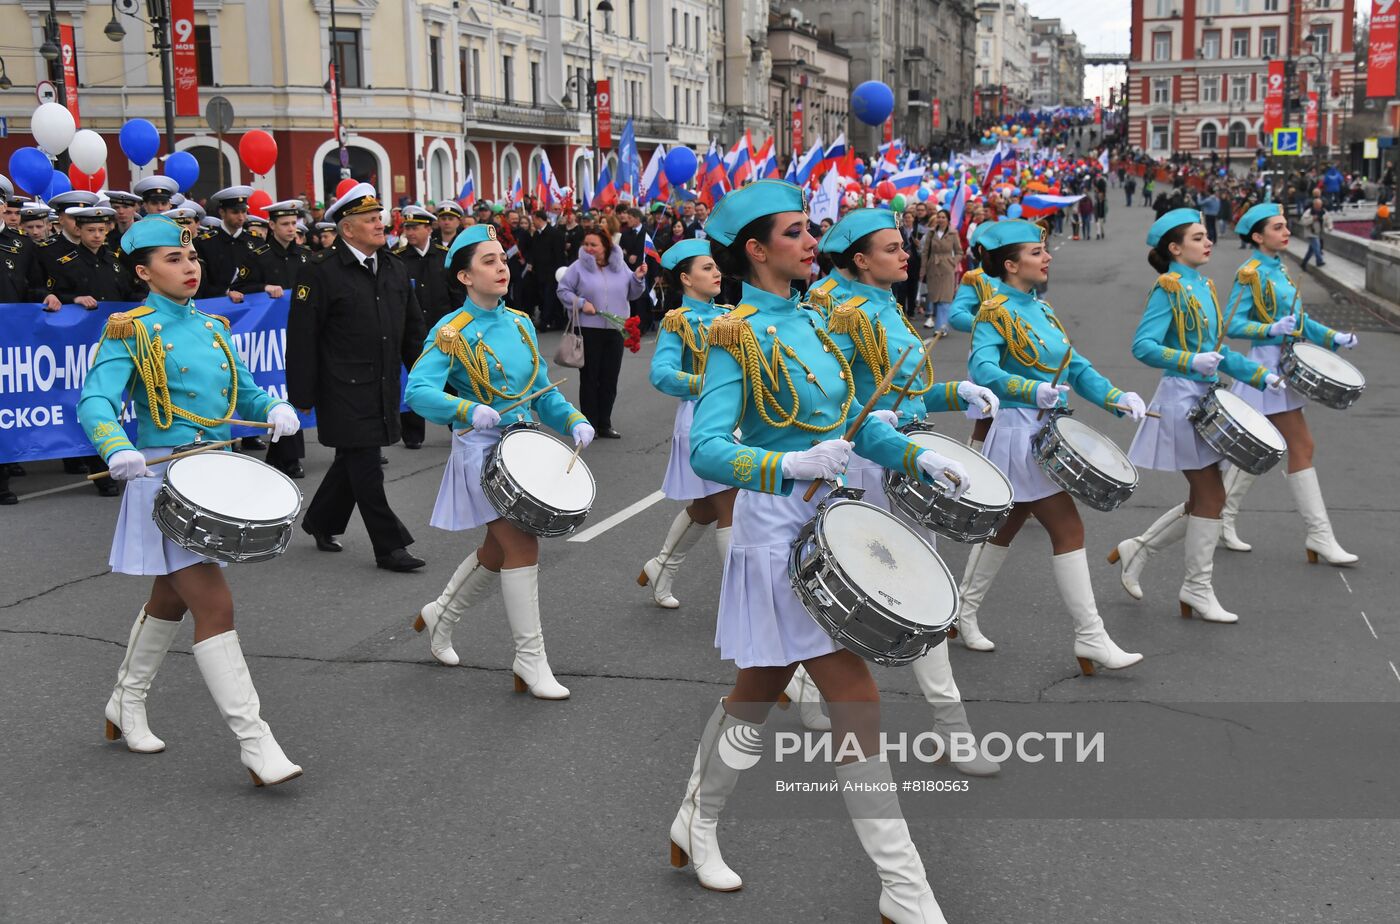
604, 6
159, 13
1319, 55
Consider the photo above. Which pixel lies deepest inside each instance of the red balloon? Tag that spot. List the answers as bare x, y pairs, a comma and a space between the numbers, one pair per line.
258, 202
258, 150
345, 185
885, 190
90, 183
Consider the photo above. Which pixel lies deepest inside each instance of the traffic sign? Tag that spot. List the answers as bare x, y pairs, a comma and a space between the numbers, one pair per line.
1288, 142
45, 92
219, 114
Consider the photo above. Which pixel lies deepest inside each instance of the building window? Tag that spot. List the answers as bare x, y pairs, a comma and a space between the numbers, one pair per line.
469, 72
434, 64
345, 47
1164, 8
986, 24
578, 10
204, 56
1239, 43
507, 77
1237, 135
1161, 89
631, 19
1241, 6
1268, 43
534, 83
1210, 44
1161, 46
1210, 89
1321, 38
1208, 136
1239, 88
675, 101
1211, 8
1270, 6
675, 32
687, 105
1159, 137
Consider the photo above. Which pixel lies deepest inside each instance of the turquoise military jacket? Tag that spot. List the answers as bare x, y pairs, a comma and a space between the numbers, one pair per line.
489, 356
678, 365
1019, 343
1182, 319
870, 328
1266, 294
775, 382
182, 373
974, 289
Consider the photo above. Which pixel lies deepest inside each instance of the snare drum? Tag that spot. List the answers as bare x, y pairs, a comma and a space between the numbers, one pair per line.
524, 478
227, 507
1227, 424
1318, 373
975, 516
1084, 462
871, 582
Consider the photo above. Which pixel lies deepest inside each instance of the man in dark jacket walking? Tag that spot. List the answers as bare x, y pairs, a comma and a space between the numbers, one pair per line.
634, 246
354, 322
546, 256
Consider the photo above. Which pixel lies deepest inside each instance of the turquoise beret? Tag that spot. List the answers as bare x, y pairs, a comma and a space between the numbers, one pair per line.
1173, 219
856, 225
469, 236
1011, 231
1257, 214
155, 231
976, 236
737, 209
684, 250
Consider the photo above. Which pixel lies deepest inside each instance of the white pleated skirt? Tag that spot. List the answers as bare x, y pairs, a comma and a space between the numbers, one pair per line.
138, 545
1269, 402
1170, 443
681, 482
1008, 447
461, 504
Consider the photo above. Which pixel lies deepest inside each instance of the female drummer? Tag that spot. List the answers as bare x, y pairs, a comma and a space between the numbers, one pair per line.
191, 381
678, 369
488, 353
776, 376
1180, 334
974, 289
1269, 313
1020, 351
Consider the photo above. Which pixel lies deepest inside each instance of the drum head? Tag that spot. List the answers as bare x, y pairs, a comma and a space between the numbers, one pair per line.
1099, 450
234, 486
989, 486
890, 563
1256, 423
1330, 364
537, 462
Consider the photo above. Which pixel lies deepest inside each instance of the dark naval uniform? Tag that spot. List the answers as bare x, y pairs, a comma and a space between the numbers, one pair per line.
228, 261
428, 272
22, 277
281, 266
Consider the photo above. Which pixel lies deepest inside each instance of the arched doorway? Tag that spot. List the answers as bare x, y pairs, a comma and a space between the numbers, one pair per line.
364, 166
440, 177
216, 171
510, 169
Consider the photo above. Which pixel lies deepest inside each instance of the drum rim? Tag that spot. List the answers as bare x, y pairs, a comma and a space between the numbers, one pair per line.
892, 475
1228, 411
1054, 423
1300, 351
170, 488
495, 461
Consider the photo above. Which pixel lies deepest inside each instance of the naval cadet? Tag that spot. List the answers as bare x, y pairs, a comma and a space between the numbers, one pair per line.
426, 261
157, 193
280, 261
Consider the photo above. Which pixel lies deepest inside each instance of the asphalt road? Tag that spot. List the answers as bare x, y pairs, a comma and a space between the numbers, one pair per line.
436, 794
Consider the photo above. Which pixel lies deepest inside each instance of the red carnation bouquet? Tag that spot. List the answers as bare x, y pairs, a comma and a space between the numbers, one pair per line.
631, 328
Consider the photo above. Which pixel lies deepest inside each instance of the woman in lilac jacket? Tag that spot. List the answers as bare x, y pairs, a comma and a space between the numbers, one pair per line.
599, 283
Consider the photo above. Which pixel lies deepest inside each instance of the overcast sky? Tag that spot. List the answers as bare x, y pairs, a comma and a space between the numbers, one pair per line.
1103, 26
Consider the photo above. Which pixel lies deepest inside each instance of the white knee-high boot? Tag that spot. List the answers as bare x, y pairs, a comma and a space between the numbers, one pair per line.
1198, 591
983, 564
660, 571
1321, 543
694, 836
441, 616
225, 673
722, 542
801, 689
521, 589
935, 675
1091, 642
1237, 485
1133, 553
873, 804
146, 646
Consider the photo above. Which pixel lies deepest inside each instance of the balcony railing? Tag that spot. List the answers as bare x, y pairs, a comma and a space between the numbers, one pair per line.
648, 127
522, 115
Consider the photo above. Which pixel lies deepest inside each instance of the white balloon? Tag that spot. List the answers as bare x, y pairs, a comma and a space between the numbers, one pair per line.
559, 273
88, 151
52, 126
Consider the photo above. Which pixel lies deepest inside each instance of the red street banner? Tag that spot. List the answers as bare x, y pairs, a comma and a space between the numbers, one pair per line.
186, 65
1310, 119
70, 69
1380, 59
937, 110
797, 124
889, 129
602, 101
977, 105
1273, 98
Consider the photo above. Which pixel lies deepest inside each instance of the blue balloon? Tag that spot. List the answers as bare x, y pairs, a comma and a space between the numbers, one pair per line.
139, 141
59, 184
183, 169
30, 168
680, 165
1014, 211
860, 169
872, 102
922, 194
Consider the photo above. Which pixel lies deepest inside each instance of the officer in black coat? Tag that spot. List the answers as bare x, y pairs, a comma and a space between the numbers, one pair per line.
354, 325
228, 250
279, 263
90, 272
425, 258
634, 244
22, 277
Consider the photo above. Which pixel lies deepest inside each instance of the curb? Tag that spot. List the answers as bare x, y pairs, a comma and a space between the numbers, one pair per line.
1389, 311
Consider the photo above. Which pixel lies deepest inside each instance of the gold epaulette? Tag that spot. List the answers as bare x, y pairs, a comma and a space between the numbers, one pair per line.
675, 320
1170, 282
122, 324
821, 296
991, 307
971, 277
400, 247
845, 317
228, 325
1249, 273
728, 329
450, 333
523, 314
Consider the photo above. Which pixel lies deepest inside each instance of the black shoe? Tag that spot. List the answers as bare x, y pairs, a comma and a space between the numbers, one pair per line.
106, 487
608, 433
295, 470
325, 542
399, 560
74, 467
418, 444
8, 499
383, 459
252, 444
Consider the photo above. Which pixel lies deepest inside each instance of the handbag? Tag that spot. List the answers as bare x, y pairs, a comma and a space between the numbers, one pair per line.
570, 350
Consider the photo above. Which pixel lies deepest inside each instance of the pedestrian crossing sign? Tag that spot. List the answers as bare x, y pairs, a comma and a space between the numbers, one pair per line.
1288, 142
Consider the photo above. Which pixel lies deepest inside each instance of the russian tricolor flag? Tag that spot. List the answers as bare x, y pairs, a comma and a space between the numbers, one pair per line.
712, 187
517, 192
650, 249
605, 193
808, 164
467, 197
908, 180
737, 162
833, 154
655, 186
765, 161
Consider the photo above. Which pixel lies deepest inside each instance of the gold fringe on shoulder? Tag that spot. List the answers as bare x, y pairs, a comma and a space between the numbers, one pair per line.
970, 277
120, 325
845, 317
447, 339
1170, 282
675, 321
1249, 273
727, 331
228, 325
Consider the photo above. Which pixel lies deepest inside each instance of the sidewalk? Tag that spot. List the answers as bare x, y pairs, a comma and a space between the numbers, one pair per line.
1340, 275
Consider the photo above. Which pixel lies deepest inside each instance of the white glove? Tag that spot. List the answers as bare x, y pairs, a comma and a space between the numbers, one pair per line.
1047, 395
823, 461
127, 464
284, 420
977, 396
1284, 326
1206, 363
583, 434
939, 467
484, 417
1346, 341
1274, 382
889, 417
1133, 404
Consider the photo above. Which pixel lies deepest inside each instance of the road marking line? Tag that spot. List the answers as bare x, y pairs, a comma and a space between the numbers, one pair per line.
1345, 581
593, 532
47, 491
1394, 671
1369, 626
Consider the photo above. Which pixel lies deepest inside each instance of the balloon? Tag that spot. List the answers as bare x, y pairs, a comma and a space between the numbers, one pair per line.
259, 201
1014, 211
885, 190
899, 203
680, 164
183, 169
31, 170
345, 185
58, 183
139, 141
53, 127
860, 169
88, 151
497, 208
865, 179
258, 150
872, 102
922, 195
90, 182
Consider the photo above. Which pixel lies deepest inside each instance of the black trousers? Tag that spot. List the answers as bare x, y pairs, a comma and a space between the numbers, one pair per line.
414, 428
355, 479
287, 451
551, 315
602, 363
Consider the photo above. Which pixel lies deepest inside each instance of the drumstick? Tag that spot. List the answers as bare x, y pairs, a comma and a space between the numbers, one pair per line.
578, 448
170, 458
909, 382
854, 428
515, 404
234, 422
1124, 407
1069, 351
